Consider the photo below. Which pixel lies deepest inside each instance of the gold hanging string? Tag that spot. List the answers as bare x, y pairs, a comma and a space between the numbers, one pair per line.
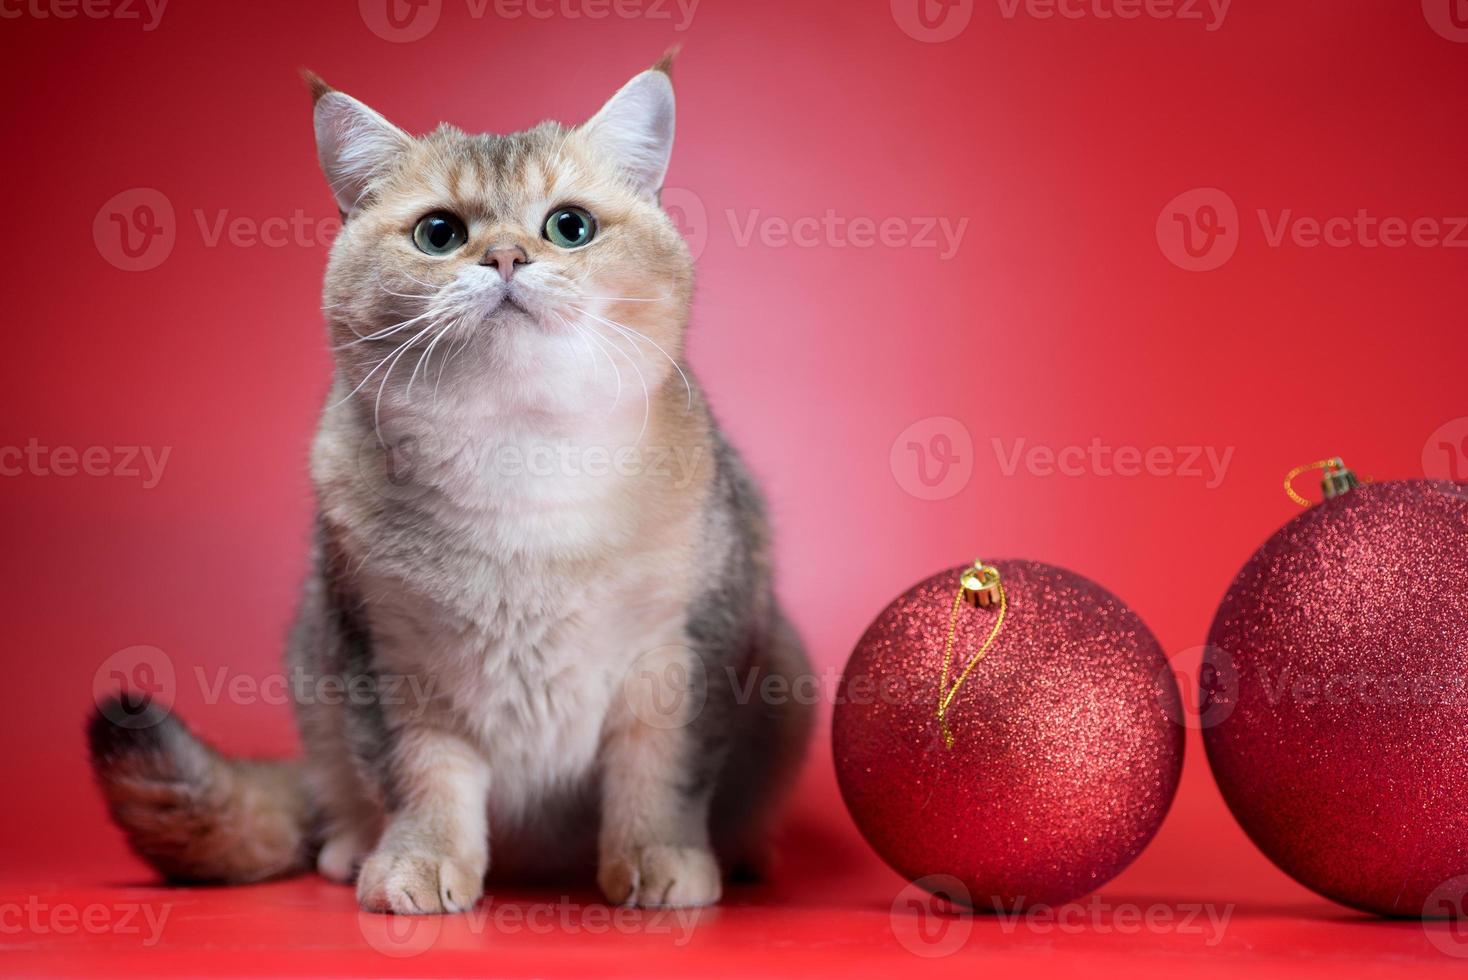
1338, 479
981, 586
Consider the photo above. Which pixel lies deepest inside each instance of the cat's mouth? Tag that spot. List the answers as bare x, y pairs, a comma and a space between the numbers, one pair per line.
494, 303
514, 303
500, 304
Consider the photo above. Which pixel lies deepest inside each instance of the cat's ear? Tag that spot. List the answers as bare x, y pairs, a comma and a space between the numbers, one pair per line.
355, 144
635, 128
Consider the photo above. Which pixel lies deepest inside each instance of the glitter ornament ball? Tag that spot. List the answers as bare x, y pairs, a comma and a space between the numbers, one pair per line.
1064, 752
1334, 703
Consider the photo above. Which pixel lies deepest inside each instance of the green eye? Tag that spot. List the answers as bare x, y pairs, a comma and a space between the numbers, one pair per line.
439, 234
570, 227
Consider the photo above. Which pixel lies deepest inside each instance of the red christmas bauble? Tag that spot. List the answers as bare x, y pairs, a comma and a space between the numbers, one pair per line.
1334, 704
1064, 755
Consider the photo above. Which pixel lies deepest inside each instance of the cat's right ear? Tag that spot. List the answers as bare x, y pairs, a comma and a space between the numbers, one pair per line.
355, 144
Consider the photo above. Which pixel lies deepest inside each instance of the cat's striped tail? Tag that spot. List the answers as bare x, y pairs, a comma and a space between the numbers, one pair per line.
190, 812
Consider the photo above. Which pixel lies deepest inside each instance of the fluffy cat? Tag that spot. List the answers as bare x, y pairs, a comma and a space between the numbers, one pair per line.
540, 616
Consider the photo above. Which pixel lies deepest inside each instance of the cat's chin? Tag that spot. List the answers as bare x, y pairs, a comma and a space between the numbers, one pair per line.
511, 313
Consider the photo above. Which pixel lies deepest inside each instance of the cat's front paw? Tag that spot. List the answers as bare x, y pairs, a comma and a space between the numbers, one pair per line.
661, 876
412, 883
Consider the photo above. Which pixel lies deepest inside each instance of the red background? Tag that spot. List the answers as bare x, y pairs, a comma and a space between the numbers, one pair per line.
1059, 320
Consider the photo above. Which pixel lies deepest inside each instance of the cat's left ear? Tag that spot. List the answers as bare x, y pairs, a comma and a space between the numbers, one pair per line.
635, 128
355, 144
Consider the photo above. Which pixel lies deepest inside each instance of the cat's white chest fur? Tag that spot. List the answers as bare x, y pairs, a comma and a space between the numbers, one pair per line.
526, 646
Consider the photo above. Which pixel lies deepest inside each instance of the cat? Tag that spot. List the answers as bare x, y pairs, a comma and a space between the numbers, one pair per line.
541, 591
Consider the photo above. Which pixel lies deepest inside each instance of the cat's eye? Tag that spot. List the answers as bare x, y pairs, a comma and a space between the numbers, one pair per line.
439, 233
570, 227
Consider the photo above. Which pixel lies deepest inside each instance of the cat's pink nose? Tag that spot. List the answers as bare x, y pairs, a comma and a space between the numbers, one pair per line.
507, 259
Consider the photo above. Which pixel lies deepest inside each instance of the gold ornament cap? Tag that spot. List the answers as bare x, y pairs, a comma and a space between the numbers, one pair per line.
1338, 479
980, 584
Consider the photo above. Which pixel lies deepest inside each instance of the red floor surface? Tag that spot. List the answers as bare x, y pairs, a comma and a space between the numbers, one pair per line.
829, 922
831, 909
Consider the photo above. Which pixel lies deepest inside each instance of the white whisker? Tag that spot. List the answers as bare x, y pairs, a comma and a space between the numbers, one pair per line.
595, 339
556, 162
427, 285
646, 395
392, 292
427, 356
382, 386
381, 334
636, 335
407, 343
